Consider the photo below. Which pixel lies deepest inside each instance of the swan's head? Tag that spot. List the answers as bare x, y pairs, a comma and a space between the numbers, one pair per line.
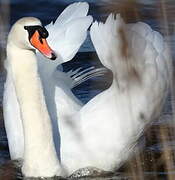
28, 33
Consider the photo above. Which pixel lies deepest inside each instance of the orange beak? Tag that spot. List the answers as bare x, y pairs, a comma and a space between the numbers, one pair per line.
42, 45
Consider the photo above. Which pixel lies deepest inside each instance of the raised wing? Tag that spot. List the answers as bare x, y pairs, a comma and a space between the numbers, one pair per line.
134, 52
69, 31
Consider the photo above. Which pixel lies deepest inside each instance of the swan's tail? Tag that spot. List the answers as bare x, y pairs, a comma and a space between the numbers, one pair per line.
69, 30
81, 75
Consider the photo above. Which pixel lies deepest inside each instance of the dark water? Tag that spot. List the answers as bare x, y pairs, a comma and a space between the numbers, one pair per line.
148, 162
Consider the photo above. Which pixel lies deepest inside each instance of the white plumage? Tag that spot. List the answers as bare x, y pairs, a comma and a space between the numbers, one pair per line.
103, 132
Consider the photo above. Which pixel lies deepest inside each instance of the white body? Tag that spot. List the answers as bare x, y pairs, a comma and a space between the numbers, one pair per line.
102, 133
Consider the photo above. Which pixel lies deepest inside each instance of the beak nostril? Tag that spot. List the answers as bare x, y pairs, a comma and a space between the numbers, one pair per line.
53, 56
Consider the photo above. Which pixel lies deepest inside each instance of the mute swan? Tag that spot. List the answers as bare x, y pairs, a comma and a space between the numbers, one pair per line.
19, 90
103, 132
26, 35
68, 40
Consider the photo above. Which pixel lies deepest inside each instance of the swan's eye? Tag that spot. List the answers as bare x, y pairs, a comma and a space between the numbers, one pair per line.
43, 32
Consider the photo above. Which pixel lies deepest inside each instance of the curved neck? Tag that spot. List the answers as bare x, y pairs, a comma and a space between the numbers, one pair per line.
38, 138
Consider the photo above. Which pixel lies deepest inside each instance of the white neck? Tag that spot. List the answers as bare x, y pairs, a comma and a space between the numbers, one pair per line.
39, 153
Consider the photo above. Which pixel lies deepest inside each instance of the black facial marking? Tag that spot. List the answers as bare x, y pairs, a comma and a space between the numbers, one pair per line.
40, 39
41, 30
